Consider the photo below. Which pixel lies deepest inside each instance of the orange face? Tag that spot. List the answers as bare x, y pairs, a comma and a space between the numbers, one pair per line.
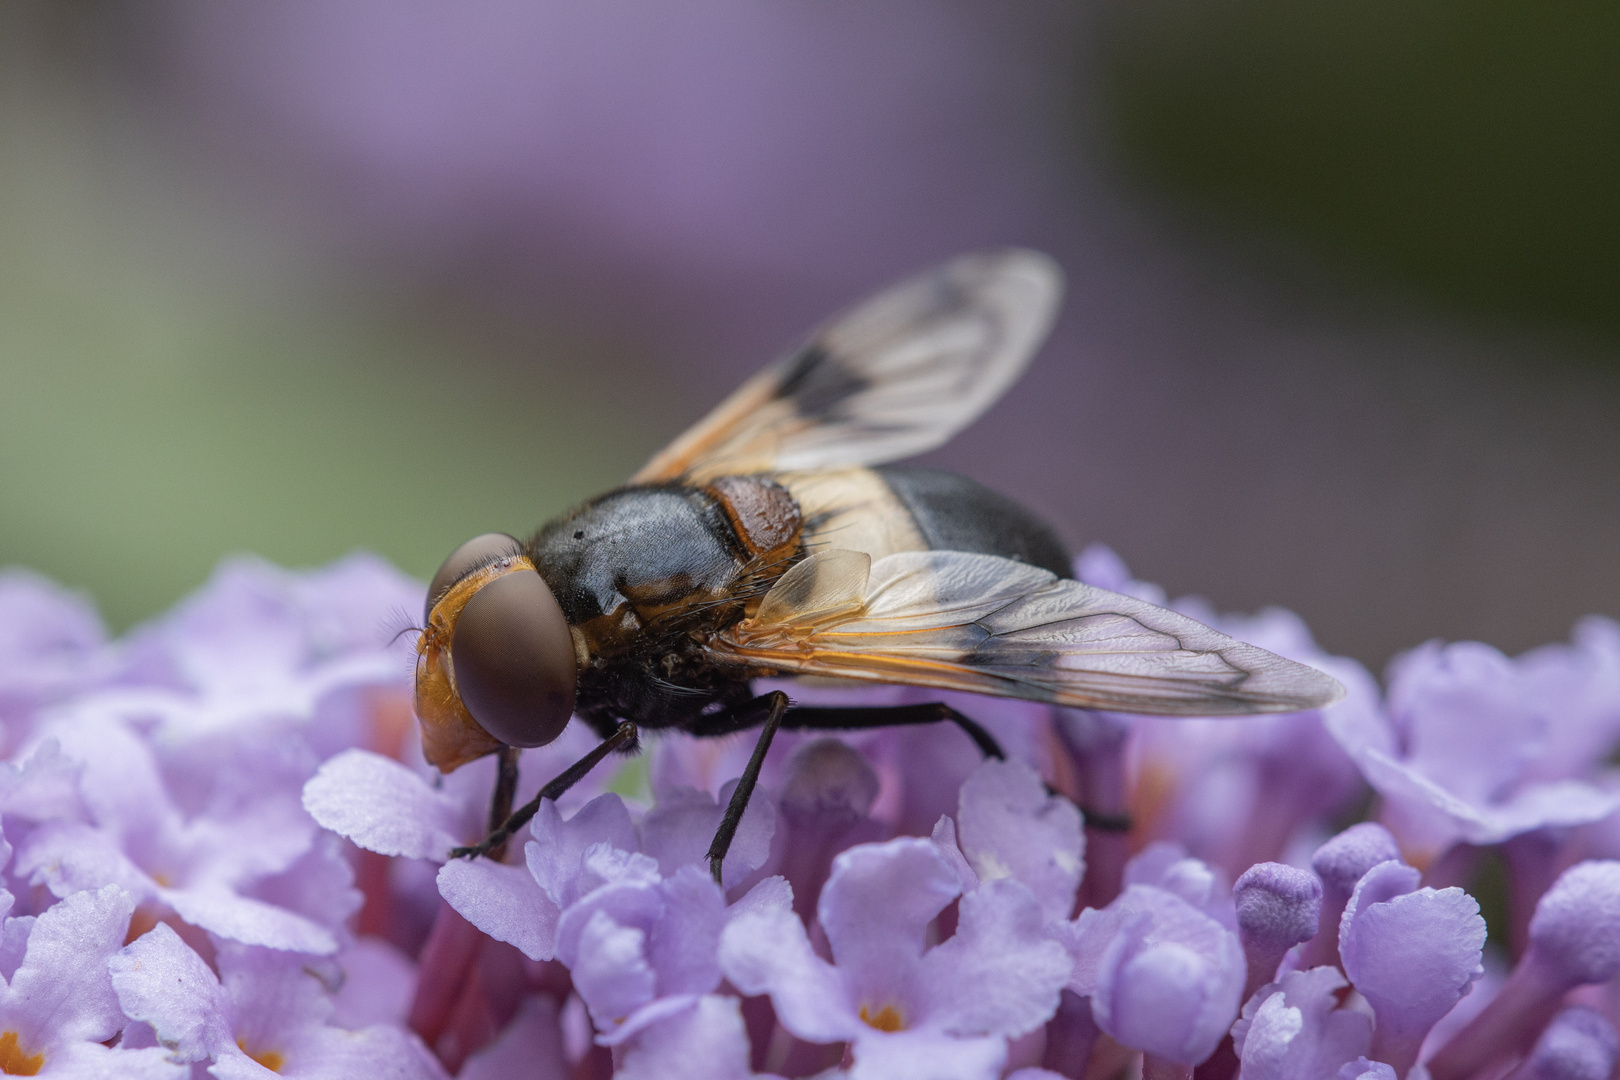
450, 736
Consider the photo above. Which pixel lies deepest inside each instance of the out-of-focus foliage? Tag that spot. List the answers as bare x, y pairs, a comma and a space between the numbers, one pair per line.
173, 387
1469, 149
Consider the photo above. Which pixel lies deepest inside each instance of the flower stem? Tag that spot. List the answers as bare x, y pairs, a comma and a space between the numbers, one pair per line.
1158, 1068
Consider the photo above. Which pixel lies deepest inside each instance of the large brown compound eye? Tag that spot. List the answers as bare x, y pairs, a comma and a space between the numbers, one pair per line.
479, 551
513, 660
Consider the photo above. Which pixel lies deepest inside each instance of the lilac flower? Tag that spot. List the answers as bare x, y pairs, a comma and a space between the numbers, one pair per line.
203, 869
1278, 907
630, 935
53, 646
1235, 794
1294, 1029
1163, 976
699, 1038
1580, 682
58, 1007
1459, 753
531, 1047
1362, 1069
893, 905
828, 789
1574, 941
1577, 1045
1340, 864
1412, 953
1166, 865
906, 1009
265, 1012
1009, 827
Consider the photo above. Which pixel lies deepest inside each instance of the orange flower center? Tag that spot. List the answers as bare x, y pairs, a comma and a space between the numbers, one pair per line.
270, 1059
13, 1062
887, 1018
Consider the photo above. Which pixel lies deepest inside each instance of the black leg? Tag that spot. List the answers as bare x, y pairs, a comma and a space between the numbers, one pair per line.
571, 776
776, 704
500, 807
855, 717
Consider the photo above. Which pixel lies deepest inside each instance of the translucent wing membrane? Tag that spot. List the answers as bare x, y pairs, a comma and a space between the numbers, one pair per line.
988, 625
895, 376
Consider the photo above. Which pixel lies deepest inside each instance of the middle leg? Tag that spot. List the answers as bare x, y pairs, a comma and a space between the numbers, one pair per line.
860, 717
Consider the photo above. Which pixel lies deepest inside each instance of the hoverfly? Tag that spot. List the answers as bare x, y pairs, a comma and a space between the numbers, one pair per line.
770, 539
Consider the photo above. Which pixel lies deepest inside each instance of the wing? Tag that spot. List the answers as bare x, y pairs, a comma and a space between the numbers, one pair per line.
988, 625
895, 376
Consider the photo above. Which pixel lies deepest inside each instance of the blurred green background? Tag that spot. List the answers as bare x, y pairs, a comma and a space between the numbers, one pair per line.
1464, 152
303, 278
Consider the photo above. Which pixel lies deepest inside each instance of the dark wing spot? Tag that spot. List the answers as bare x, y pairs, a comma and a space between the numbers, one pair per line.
817, 382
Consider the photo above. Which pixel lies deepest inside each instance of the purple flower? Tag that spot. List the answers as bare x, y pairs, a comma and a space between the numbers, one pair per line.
630, 935
530, 1047
265, 1011
893, 905
695, 1038
58, 1007
203, 868
1574, 941
1580, 684
1163, 976
1236, 794
1294, 1029
1166, 865
52, 645
906, 1009
1577, 1045
1340, 864
828, 789
1412, 953
1278, 907
1459, 754
1009, 827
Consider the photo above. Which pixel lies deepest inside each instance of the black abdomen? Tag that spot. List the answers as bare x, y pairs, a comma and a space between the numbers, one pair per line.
954, 513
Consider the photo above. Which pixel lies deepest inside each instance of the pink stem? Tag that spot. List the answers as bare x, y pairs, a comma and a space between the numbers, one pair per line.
1507, 1026
1157, 1068
1070, 1036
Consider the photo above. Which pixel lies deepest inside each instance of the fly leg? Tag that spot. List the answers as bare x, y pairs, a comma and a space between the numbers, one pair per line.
774, 709
771, 707
856, 717
496, 840
500, 807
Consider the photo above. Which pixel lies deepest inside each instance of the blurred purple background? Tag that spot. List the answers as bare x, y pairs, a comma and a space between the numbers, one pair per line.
487, 256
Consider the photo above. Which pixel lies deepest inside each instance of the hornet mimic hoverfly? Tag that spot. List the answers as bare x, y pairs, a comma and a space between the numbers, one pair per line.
771, 539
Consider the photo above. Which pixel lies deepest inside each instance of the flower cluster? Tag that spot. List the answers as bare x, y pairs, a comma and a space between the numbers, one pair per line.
221, 853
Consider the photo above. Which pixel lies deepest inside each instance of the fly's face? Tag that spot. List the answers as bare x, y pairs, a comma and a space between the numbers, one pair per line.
496, 665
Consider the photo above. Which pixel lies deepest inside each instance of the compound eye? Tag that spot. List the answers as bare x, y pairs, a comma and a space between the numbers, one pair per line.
479, 551
513, 660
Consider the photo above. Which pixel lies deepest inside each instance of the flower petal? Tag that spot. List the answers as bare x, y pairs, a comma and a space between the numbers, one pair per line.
876, 908
160, 980
556, 855
252, 922
383, 806
530, 1047
997, 975
926, 1055
504, 902
61, 992
768, 952
705, 1040
1009, 826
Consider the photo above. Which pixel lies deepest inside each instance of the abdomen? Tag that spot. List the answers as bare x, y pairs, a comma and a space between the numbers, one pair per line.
954, 513
896, 508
